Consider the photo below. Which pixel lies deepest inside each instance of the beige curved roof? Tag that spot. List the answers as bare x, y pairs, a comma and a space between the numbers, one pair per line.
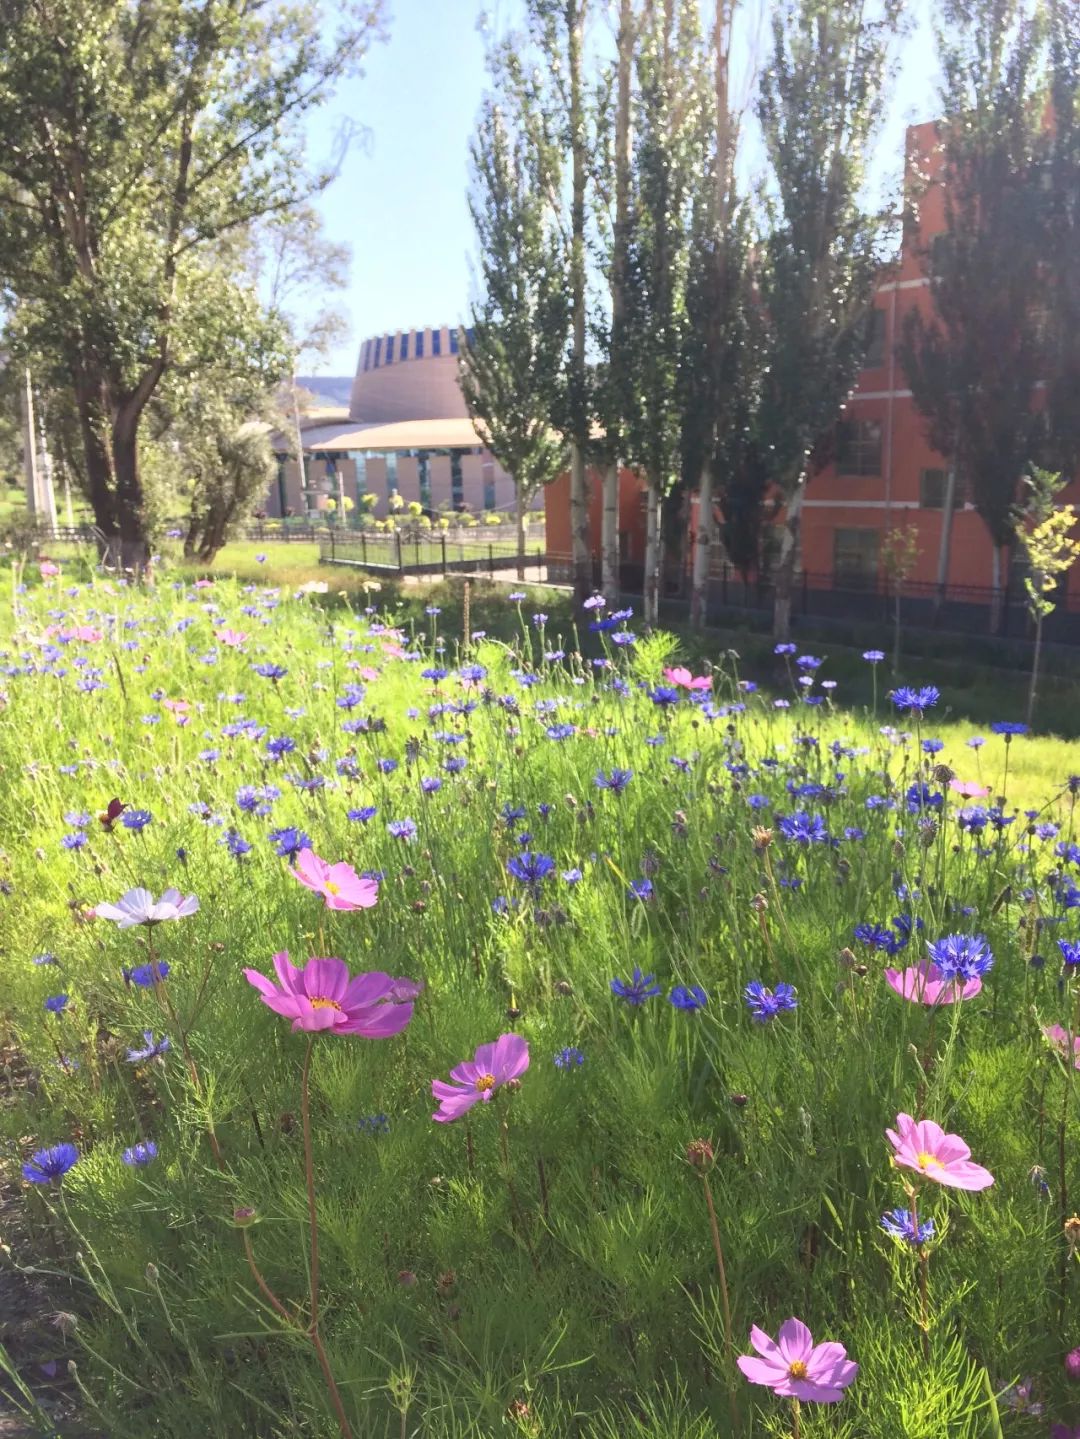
449, 434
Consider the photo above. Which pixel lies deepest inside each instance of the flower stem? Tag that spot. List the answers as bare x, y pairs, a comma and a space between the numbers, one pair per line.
794, 1419
515, 1207
264, 1288
924, 1265
725, 1300
313, 1224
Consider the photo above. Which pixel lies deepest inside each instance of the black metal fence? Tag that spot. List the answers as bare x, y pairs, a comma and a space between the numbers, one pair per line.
419, 553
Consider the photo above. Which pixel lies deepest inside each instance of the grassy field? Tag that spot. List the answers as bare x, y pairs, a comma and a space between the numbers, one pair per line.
679, 905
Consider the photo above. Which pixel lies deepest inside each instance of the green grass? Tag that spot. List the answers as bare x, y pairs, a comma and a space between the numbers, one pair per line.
560, 1279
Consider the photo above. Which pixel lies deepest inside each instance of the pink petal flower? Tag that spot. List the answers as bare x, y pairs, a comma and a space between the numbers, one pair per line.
969, 789
925, 1147
322, 996
339, 884
680, 675
795, 1368
1059, 1038
923, 984
231, 637
478, 1079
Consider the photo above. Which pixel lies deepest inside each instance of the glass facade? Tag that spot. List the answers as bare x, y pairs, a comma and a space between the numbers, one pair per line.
436, 342
378, 351
389, 349
418, 346
453, 341
403, 349
423, 468
391, 472
457, 484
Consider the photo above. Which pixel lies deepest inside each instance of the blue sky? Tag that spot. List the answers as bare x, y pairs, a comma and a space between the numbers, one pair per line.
399, 202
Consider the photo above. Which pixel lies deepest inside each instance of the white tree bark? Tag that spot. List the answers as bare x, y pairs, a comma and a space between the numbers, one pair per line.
699, 580
652, 555
609, 533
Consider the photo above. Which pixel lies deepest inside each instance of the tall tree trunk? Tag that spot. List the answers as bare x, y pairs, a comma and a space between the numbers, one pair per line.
945, 548
653, 553
579, 489
519, 518
1035, 657
997, 598
609, 532
98, 461
130, 506
785, 569
699, 580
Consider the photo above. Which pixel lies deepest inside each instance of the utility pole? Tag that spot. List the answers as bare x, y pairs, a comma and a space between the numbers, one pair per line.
29, 438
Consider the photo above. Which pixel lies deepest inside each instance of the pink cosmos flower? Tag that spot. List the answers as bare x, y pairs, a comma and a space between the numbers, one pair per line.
925, 1147
478, 1078
1065, 1431
1059, 1038
84, 634
203, 584
968, 789
794, 1367
367, 672
339, 884
322, 996
923, 984
233, 638
682, 677
179, 710
48, 570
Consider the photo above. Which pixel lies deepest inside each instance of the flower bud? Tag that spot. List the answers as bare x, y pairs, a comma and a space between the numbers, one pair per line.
244, 1217
699, 1153
1072, 1364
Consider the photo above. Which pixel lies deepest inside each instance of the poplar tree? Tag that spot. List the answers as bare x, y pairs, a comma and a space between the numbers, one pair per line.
974, 361
668, 154
512, 366
822, 96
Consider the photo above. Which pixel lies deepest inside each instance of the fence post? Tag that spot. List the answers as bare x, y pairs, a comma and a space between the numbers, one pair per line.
442, 541
539, 565
416, 552
805, 591
333, 551
491, 560
397, 537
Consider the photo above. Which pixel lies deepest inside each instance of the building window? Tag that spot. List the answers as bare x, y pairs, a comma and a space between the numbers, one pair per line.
436, 342
470, 338
453, 341
418, 346
367, 353
391, 473
932, 487
489, 494
855, 557
403, 348
361, 475
457, 484
378, 352
858, 447
389, 350
875, 340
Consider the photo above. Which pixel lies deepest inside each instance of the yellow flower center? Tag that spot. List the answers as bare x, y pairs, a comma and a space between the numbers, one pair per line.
331, 887
485, 1082
797, 1370
318, 1002
927, 1161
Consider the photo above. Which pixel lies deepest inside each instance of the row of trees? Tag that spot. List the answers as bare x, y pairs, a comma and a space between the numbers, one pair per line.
154, 217
644, 301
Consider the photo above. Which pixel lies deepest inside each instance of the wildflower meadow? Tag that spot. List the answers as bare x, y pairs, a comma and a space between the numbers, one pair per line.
413, 1033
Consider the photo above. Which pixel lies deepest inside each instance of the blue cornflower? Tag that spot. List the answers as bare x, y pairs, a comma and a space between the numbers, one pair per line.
402, 829
472, 674
143, 976
152, 1048
209, 756
75, 840
1045, 831
1070, 952
386, 766
431, 786
877, 936
920, 796
639, 989
374, 1124
454, 763
289, 841
571, 876
640, 889
283, 745
136, 819
539, 621
915, 701
45, 1165
809, 662
933, 746
56, 1003
236, 844
1008, 728
785, 649
141, 1154
961, 956
874, 657
664, 696
307, 785
973, 817
569, 1058
363, 814
765, 1004
78, 819
46, 958
900, 1224
530, 868
559, 731
689, 999
803, 828
270, 672
616, 781
434, 673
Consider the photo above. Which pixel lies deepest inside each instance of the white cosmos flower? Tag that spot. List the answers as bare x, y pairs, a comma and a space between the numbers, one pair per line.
139, 906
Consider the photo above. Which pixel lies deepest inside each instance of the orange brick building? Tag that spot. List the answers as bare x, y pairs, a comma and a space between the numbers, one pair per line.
885, 473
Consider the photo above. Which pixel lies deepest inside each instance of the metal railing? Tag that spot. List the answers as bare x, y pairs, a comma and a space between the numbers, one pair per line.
427, 554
